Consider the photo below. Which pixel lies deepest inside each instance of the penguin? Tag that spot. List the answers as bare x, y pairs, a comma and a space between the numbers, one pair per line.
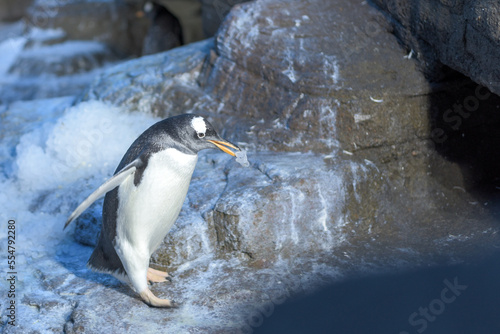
165, 31
144, 197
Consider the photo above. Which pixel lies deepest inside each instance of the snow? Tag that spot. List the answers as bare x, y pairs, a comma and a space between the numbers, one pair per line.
38, 63
41, 35
57, 155
91, 137
66, 49
52, 154
10, 49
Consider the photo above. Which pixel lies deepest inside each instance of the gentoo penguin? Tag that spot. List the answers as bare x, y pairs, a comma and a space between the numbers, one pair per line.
144, 198
165, 31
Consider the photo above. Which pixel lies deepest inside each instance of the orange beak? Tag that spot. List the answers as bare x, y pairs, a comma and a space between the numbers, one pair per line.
223, 146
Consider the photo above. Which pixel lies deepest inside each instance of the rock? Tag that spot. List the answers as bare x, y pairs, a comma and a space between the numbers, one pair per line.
164, 33
319, 104
88, 226
367, 126
66, 58
462, 35
344, 180
213, 13
464, 290
188, 12
13, 10
114, 23
162, 84
44, 64
299, 105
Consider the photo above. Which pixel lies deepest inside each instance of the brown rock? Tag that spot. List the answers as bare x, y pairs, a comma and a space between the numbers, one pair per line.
13, 10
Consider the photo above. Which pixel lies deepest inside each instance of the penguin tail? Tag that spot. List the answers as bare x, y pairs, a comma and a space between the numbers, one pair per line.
105, 260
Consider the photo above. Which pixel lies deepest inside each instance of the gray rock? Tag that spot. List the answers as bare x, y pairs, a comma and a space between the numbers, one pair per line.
162, 84
462, 35
213, 13
66, 58
310, 111
365, 102
111, 22
344, 178
47, 65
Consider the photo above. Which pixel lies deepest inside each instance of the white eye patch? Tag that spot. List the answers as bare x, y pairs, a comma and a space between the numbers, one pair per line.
199, 125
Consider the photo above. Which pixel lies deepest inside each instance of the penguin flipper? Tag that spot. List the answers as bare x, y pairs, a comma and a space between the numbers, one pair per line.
109, 185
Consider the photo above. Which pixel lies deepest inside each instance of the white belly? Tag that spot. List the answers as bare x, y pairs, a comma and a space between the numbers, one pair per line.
147, 212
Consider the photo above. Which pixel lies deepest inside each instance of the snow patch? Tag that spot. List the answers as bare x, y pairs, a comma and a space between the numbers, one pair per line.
9, 51
91, 137
59, 154
41, 35
66, 49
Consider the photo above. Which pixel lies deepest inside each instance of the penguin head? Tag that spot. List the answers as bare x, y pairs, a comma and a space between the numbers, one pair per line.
195, 133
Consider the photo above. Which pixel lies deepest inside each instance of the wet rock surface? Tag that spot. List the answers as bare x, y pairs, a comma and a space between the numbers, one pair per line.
344, 178
46, 64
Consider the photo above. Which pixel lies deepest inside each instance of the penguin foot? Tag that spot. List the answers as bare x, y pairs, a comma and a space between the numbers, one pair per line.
153, 278
149, 298
156, 276
159, 272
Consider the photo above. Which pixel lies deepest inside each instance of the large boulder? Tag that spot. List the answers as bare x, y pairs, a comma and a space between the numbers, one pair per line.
457, 46
462, 35
260, 69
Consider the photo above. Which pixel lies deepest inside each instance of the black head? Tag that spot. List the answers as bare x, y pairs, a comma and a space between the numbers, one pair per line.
193, 133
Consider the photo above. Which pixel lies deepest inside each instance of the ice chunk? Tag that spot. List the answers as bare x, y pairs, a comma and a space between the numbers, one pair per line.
241, 158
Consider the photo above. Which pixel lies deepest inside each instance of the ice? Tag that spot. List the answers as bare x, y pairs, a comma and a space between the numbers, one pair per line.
9, 50
42, 35
66, 49
241, 158
90, 137
55, 160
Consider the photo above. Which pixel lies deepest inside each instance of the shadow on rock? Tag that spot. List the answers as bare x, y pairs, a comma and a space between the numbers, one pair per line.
448, 299
465, 118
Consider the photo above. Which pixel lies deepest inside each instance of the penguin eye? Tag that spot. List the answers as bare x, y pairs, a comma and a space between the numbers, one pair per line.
200, 135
